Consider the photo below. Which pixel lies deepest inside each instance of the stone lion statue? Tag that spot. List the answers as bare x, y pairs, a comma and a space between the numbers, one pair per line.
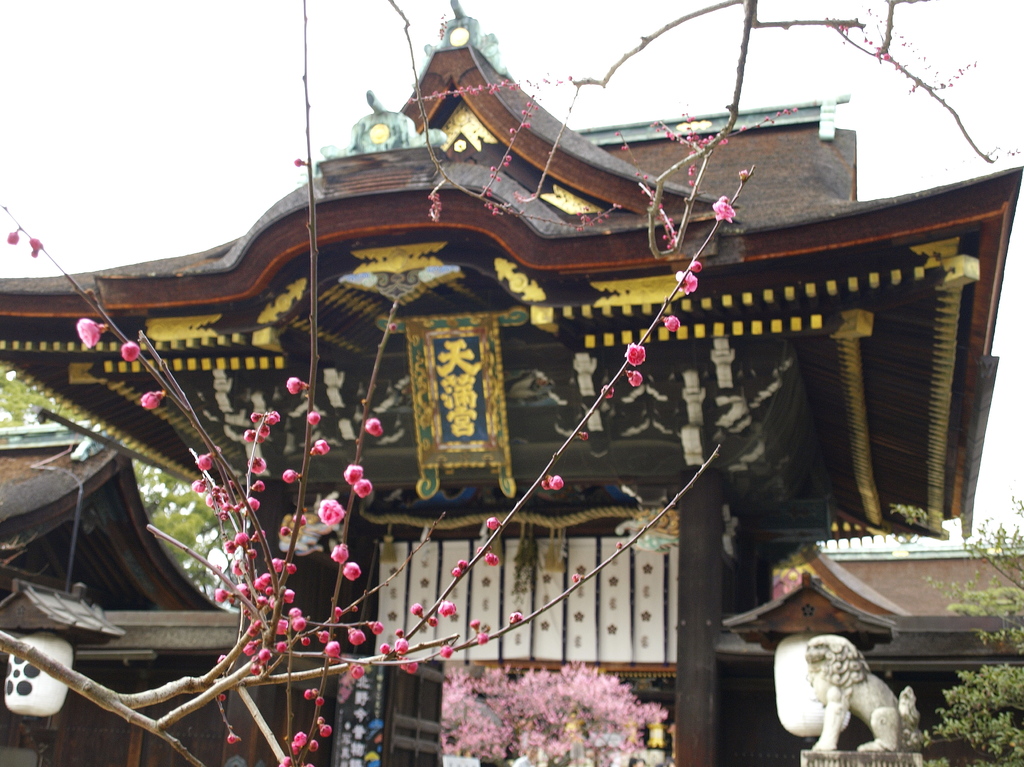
842, 682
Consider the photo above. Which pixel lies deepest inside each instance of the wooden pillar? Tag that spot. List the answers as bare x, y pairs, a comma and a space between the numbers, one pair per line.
700, 622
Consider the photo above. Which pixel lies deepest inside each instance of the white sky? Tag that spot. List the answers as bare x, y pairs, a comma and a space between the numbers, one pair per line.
134, 131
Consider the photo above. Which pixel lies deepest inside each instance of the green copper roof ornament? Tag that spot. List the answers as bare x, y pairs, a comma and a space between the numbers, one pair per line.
464, 30
382, 131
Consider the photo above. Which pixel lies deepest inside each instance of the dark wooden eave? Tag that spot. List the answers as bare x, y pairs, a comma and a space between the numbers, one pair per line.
119, 560
249, 267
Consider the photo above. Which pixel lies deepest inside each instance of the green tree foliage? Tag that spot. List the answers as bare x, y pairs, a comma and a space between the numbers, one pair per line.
179, 512
17, 398
172, 505
986, 710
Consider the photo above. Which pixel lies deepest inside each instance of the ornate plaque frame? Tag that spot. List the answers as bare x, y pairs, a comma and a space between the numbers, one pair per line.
458, 393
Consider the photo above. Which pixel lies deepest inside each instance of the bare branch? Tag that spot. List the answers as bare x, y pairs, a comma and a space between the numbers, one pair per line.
834, 23
92, 691
929, 89
647, 40
257, 717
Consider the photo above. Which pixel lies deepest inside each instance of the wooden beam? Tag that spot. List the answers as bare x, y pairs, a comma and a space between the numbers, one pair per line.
700, 623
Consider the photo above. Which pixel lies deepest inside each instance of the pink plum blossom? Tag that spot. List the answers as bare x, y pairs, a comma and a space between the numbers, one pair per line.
295, 385
332, 650
373, 427
151, 400
352, 571
331, 512
723, 210
635, 377
493, 523
671, 323
363, 488
353, 473
320, 447
290, 475
130, 351
340, 553
89, 332
636, 354
446, 609
356, 637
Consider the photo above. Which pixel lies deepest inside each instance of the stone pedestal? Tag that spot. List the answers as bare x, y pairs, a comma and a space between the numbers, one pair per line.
860, 759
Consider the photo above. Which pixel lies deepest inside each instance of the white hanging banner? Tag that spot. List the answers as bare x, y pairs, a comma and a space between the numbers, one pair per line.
451, 553
581, 606
423, 587
516, 644
615, 635
392, 609
485, 601
672, 578
648, 606
548, 627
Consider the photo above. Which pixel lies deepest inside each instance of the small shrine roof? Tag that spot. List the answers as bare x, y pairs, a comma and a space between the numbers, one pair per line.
32, 607
810, 609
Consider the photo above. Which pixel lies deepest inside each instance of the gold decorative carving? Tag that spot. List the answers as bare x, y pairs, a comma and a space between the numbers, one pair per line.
81, 373
851, 372
396, 259
694, 126
518, 283
939, 248
947, 319
961, 270
277, 308
856, 323
566, 201
459, 37
380, 133
464, 122
634, 292
267, 338
181, 328
458, 393
460, 145
543, 317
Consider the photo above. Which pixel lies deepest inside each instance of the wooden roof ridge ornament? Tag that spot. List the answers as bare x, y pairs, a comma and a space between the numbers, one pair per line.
810, 609
458, 394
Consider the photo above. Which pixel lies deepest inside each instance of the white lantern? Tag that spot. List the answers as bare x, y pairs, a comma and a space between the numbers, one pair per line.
31, 692
799, 710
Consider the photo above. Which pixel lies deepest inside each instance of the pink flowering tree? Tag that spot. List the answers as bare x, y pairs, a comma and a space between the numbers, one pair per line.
493, 716
544, 715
